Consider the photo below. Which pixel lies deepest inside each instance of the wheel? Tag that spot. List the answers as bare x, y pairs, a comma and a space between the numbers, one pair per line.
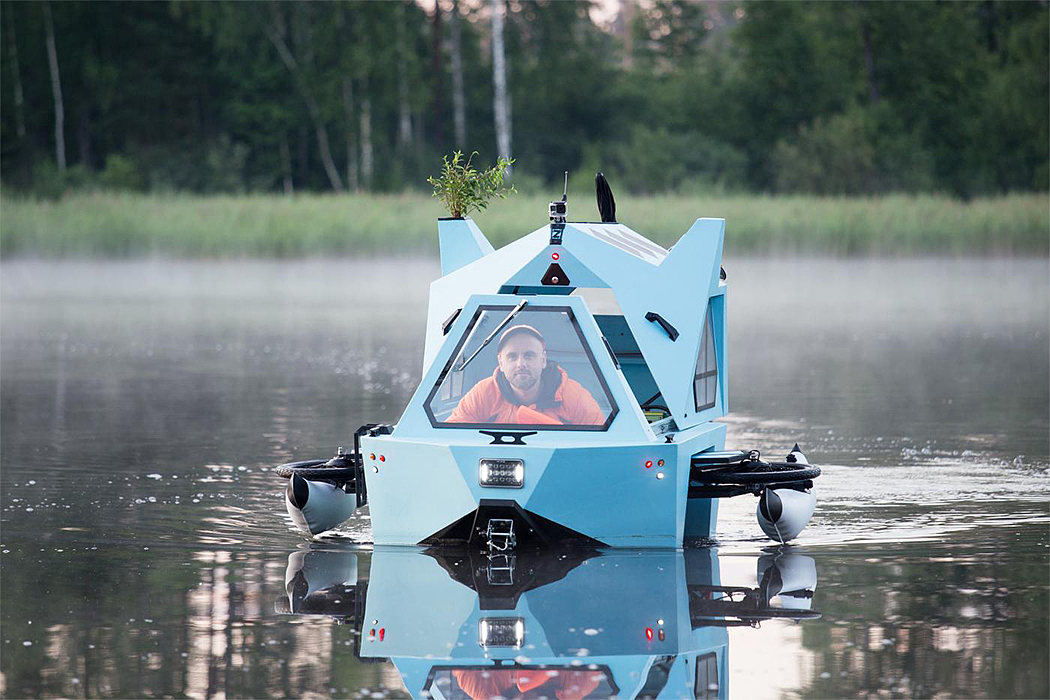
723, 459
771, 612
759, 473
315, 469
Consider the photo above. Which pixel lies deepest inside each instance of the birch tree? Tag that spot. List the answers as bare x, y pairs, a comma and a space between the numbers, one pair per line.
275, 33
459, 103
56, 90
437, 73
351, 136
501, 103
12, 50
286, 164
366, 139
869, 60
404, 123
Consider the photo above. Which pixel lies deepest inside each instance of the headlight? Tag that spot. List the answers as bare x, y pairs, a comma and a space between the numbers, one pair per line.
506, 632
502, 473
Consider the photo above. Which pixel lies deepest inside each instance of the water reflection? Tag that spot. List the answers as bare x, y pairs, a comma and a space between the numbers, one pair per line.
465, 624
926, 621
333, 619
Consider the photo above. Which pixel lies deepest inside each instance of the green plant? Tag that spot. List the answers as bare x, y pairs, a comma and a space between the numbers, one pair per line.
462, 188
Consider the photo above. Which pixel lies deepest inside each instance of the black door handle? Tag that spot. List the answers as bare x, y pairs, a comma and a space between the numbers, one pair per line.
671, 331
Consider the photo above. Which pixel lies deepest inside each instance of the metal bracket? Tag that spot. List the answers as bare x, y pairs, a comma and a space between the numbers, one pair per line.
371, 430
500, 534
500, 570
505, 437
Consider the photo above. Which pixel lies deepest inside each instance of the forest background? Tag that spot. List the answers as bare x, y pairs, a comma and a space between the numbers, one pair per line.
185, 128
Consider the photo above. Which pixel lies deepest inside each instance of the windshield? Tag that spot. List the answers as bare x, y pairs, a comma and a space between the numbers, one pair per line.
524, 366
562, 681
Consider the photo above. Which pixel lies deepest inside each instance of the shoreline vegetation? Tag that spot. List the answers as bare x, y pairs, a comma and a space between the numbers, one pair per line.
116, 225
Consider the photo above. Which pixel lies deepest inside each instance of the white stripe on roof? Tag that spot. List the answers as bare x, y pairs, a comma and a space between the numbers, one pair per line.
625, 239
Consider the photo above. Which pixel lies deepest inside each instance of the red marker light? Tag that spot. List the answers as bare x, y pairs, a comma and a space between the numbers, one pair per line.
555, 256
648, 464
382, 458
649, 633
382, 633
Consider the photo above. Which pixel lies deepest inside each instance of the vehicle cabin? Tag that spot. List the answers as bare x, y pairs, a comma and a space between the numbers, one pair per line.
592, 301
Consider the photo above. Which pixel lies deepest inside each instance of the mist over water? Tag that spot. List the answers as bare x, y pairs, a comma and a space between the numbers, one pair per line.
144, 539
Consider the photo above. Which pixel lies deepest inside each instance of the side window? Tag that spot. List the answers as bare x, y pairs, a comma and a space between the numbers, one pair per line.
526, 366
705, 377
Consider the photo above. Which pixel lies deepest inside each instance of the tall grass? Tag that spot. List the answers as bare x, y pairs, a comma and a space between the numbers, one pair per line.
128, 225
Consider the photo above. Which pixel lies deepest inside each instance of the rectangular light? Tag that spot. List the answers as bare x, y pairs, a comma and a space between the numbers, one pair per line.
501, 632
502, 473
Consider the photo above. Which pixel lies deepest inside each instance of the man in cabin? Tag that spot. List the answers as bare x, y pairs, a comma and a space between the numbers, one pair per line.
484, 683
525, 390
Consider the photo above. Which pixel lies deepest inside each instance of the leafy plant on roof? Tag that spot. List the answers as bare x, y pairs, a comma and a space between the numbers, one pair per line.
463, 189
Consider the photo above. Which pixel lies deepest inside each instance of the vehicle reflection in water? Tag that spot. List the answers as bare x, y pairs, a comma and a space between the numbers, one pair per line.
569, 624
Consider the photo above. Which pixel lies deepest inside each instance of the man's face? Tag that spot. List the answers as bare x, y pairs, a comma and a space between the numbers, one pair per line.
521, 360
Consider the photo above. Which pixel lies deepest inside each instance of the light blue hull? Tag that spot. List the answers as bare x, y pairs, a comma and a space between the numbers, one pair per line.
603, 492
637, 634
615, 623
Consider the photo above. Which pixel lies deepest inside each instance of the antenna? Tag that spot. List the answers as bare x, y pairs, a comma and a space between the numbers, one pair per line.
565, 191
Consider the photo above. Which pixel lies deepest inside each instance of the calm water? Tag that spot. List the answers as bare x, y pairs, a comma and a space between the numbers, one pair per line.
144, 548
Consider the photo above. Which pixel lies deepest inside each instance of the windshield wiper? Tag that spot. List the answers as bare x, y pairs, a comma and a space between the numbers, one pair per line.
514, 312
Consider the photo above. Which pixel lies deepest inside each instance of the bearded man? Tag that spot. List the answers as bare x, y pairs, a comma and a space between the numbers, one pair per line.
525, 389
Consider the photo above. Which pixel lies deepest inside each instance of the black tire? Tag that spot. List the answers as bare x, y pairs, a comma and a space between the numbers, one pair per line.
760, 473
315, 469
771, 612
726, 460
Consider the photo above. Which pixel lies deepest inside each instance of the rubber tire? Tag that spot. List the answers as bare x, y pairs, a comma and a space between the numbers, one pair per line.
315, 469
773, 613
740, 458
778, 473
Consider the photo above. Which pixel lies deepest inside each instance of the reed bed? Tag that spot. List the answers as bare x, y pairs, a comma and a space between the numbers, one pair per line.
272, 226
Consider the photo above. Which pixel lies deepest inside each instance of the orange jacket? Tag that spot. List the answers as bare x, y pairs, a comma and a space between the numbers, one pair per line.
570, 404
482, 684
